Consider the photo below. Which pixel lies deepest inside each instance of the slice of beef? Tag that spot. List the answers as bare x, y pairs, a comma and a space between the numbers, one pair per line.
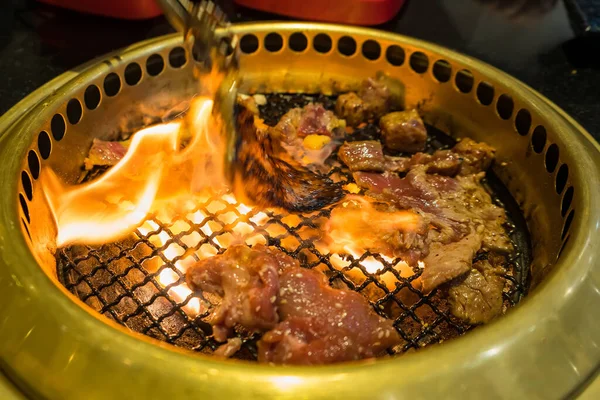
363, 156
403, 131
305, 320
105, 153
322, 325
477, 156
263, 177
351, 107
477, 298
448, 261
466, 158
312, 119
248, 282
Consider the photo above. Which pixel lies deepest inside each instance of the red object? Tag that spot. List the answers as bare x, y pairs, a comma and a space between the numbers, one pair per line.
124, 9
356, 12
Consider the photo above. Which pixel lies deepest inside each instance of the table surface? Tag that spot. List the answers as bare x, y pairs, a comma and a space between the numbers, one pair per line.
541, 50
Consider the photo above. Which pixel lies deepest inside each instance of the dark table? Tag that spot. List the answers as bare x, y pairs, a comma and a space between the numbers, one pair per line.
39, 42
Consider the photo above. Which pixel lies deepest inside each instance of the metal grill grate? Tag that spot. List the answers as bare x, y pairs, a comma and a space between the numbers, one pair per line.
123, 280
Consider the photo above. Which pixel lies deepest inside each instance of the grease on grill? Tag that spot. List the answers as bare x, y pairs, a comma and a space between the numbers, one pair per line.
120, 280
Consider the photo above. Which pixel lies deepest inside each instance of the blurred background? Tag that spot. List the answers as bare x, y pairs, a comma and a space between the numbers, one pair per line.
551, 45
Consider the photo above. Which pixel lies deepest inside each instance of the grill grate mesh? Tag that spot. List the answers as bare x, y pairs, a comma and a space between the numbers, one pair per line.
123, 282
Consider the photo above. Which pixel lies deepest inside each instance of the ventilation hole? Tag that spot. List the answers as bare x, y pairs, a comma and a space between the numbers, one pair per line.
442, 70
567, 226
505, 106
371, 50
249, 44
566, 201
419, 62
27, 188
346, 46
464, 81
395, 55
298, 41
322, 43
74, 111
34, 164
26, 229
112, 84
155, 65
561, 178
551, 157
563, 246
44, 144
133, 74
485, 93
273, 42
58, 127
523, 123
177, 57
24, 207
538, 139
91, 97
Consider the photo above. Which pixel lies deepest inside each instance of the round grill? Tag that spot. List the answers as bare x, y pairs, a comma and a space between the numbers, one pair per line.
545, 161
123, 280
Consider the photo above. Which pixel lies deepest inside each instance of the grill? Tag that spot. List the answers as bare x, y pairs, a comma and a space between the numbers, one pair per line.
92, 303
122, 280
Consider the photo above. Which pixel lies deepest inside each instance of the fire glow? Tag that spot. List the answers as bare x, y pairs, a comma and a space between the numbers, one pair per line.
171, 168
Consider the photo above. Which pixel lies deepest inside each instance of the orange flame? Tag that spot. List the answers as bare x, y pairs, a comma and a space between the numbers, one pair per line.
153, 170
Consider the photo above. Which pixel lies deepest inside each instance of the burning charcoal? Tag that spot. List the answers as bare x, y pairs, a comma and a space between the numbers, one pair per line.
351, 107
305, 320
477, 299
403, 131
267, 180
363, 156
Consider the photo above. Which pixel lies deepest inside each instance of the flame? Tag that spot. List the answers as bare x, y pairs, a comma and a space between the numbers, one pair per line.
154, 171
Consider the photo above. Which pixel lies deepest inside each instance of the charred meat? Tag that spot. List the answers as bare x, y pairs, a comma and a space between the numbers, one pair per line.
304, 320
363, 156
403, 131
267, 180
477, 297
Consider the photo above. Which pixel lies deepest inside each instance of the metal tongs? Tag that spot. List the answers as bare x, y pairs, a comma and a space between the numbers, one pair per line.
206, 30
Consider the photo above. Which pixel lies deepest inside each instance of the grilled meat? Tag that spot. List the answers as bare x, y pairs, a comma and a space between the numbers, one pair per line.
352, 108
477, 298
312, 119
267, 180
375, 97
105, 153
305, 320
466, 158
403, 131
363, 156
448, 261
476, 156
247, 281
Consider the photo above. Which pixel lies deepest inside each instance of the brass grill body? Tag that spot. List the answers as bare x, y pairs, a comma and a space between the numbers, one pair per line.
52, 345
